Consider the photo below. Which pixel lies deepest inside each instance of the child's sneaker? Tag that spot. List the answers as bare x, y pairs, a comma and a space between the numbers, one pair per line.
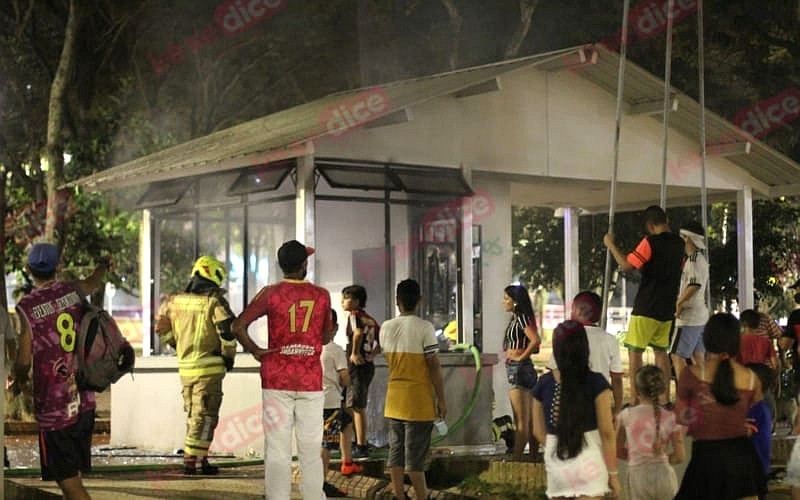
360, 451
351, 468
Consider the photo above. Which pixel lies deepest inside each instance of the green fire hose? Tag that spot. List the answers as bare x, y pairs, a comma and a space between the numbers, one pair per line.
476, 355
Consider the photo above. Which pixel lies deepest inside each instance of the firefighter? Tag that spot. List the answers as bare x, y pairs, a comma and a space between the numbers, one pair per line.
197, 323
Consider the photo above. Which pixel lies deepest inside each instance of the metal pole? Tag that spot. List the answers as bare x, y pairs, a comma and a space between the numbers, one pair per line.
667, 105
701, 80
613, 199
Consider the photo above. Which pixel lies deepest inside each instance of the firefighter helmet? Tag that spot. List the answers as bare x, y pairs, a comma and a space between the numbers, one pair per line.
209, 268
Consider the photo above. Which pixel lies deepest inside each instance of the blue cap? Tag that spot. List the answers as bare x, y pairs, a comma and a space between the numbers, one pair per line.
43, 258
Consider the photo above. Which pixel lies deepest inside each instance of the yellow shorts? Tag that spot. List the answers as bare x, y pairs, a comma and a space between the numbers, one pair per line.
643, 332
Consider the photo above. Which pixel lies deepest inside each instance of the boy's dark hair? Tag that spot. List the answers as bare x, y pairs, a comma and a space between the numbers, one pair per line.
328, 336
42, 276
357, 292
655, 215
408, 294
589, 304
797, 298
750, 318
765, 374
721, 336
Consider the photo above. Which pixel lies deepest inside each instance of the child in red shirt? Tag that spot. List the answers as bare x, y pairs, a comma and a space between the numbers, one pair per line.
755, 348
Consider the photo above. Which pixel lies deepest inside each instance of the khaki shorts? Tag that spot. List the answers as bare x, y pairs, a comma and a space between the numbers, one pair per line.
643, 332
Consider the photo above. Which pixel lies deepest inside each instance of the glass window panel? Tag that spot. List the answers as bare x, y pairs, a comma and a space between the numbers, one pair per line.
212, 189
436, 263
163, 193
439, 181
220, 235
405, 245
260, 178
350, 250
177, 254
357, 177
268, 226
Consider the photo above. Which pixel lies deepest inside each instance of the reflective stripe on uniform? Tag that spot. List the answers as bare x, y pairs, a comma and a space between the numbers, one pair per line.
196, 447
197, 372
203, 366
198, 363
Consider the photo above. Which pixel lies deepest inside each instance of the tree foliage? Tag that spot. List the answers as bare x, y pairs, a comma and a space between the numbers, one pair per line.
151, 74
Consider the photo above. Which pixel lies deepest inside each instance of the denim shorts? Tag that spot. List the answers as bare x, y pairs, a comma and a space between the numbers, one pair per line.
521, 374
687, 341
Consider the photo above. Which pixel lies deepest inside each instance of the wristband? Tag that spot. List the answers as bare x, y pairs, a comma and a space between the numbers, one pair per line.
613, 472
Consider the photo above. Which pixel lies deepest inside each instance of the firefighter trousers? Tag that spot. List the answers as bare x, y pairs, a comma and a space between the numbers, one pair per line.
202, 397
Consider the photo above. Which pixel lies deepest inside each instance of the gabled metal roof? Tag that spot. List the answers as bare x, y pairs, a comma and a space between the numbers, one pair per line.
286, 134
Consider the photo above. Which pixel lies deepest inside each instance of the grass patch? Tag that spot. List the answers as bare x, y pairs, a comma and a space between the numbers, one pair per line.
474, 486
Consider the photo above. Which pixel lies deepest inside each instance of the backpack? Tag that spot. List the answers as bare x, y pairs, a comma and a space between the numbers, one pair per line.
103, 354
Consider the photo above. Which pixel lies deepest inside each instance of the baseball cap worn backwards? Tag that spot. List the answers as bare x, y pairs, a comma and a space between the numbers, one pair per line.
43, 257
292, 253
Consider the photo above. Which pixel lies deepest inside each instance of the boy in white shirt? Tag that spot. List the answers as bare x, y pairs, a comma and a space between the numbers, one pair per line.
604, 350
338, 424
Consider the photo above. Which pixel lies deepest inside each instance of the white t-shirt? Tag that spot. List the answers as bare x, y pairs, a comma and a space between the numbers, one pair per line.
604, 353
333, 359
695, 272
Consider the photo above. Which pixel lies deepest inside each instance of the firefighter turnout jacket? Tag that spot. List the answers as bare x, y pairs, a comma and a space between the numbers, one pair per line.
198, 326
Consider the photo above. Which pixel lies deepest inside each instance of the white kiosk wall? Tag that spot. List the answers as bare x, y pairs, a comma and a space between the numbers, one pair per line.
496, 226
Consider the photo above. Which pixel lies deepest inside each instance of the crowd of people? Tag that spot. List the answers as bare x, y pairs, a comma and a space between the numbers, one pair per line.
725, 369
311, 388
730, 384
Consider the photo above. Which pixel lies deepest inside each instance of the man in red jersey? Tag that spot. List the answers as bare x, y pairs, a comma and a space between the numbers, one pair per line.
298, 314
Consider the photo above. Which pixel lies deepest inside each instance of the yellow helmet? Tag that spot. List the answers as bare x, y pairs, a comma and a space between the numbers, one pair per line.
209, 268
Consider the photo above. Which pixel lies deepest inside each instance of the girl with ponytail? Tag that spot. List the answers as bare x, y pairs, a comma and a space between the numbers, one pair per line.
645, 430
572, 417
713, 401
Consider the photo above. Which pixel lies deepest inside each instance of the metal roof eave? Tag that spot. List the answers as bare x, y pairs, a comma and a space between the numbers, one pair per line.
290, 133
769, 167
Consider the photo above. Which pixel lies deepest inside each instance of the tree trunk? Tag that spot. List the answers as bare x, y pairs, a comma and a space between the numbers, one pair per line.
526, 10
3, 203
54, 149
455, 22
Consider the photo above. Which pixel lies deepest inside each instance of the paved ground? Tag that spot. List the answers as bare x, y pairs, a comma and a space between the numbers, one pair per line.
243, 482
240, 483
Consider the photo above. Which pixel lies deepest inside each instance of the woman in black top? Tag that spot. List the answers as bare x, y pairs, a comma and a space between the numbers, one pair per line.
520, 341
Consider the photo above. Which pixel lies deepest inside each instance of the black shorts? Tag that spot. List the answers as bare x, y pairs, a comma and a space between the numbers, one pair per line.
334, 421
360, 378
65, 452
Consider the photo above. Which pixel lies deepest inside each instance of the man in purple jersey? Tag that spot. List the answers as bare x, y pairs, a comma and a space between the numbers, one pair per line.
50, 316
